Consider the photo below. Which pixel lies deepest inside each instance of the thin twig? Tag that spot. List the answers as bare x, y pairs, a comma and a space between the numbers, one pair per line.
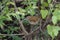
22, 27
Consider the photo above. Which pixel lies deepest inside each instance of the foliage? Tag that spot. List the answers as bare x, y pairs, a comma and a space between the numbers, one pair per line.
44, 13
53, 30
10, 14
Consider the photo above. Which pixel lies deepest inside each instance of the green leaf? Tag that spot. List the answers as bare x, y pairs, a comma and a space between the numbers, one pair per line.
53, 30
49, 1
44, 13
54, 19
57, 13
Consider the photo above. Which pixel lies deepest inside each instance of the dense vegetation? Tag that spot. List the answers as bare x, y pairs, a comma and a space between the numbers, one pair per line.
29, 20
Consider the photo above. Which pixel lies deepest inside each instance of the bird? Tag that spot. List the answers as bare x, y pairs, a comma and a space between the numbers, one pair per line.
33, 19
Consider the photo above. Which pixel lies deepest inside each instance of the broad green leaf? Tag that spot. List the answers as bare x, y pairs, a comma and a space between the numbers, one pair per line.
49, 1
44, 13
53, 30
54, 19
57, 13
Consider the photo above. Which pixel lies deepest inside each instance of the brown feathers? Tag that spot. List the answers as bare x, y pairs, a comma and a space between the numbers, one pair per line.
33, 19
